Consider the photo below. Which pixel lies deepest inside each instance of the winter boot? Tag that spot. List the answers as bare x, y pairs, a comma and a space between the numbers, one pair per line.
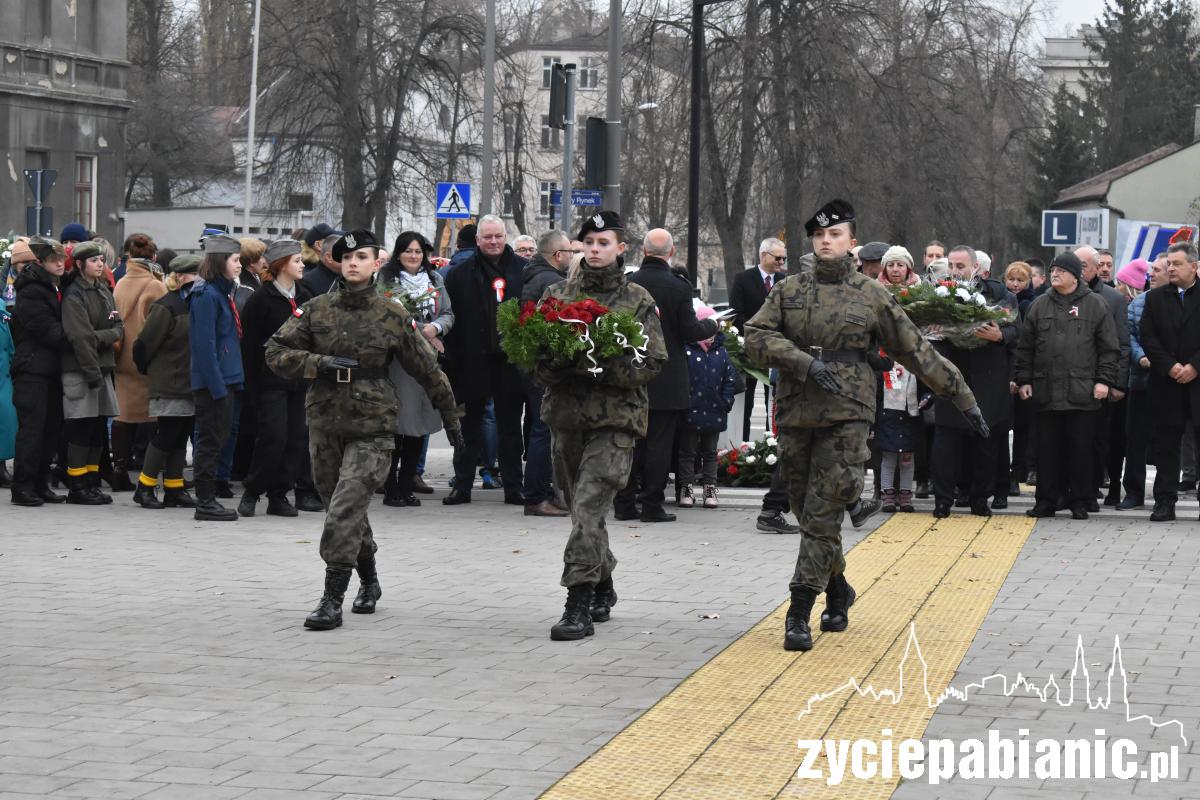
576, 621
175, 495
369, 590
23, 495
603, 599
889, 501
43, 490
146, 495
207, 507
248, 505
905, 503
839, 596
328, 613
280, 507
797, 635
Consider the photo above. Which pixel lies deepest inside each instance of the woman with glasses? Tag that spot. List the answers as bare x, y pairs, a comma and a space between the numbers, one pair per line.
410, 278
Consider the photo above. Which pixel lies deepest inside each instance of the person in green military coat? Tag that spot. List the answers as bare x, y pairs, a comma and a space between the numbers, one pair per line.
344, 341
595, 420
817, 329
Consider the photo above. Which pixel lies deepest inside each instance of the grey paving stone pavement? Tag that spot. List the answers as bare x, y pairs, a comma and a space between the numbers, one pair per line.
150, 656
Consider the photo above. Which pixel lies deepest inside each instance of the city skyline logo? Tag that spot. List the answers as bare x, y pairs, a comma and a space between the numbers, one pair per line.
1044, 691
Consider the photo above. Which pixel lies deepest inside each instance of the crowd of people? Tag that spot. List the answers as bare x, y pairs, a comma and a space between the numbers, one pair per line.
113, 363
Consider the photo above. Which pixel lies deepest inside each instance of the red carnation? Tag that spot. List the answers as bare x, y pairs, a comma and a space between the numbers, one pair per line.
551, 316
731, 470
585, 317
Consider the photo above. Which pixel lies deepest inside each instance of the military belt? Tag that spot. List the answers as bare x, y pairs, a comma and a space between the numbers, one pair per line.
355, 374
836, 356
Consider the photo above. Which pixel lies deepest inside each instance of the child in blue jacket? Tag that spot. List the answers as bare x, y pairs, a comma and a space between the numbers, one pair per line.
711, 381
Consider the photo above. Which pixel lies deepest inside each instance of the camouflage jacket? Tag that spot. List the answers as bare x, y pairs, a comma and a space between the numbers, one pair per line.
836, 308
368, 327
617, 398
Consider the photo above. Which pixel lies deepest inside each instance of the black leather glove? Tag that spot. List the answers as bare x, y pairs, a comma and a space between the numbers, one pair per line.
975, 419
331, 364
824, 377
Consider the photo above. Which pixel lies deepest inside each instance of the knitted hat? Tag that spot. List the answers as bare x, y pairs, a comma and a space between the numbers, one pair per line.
21, 254
1068, 261
704, 312
898, 253
1134, 273
74, 233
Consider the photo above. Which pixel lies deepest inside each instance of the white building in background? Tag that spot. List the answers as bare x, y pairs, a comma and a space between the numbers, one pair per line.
1067, 59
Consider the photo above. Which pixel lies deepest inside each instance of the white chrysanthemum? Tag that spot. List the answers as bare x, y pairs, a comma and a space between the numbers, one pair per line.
942, 291
771, 441
741, 340
771, 459
963, 294
750, 459
979, 299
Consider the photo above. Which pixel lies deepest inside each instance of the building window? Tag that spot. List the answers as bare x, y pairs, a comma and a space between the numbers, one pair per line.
548, 63
544, 190
550, 140
300, 202
589, 72
85, 190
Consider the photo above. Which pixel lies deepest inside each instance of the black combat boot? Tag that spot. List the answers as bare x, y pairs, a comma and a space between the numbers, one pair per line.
797, 635
248, 505
207, 507
178, 498
328, 613
576, 621
146, 496
839, 596
603, 599
93, 479
863, 508
280, 507
79, 492
369, 590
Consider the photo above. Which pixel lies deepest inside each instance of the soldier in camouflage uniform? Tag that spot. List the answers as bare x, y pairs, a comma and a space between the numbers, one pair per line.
345, 340
817, 328
595, 422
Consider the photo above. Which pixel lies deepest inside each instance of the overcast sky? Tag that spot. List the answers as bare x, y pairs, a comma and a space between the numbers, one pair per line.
1070, 14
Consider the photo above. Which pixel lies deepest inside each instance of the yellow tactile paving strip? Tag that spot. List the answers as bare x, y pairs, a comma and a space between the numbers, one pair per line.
730, 729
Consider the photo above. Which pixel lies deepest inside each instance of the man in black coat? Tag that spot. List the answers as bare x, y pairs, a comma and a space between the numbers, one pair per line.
1170, 335
669, 390
476, 365
746, 296
987, 369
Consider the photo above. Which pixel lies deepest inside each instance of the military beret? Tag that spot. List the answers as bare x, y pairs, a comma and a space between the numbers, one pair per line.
185, 264
222, 245
44, 247
282, 248
353, 240
873, 251
85, 250
604, 221
832, 213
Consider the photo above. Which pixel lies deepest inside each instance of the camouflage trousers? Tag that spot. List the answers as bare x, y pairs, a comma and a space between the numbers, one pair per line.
346, 473
590, 467
824, 472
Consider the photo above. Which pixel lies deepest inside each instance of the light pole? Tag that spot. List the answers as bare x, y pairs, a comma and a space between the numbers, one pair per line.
250, 121
612, 182
489, 108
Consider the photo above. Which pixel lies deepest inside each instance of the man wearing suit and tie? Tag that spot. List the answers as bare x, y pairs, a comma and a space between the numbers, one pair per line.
746, 297
1171, 338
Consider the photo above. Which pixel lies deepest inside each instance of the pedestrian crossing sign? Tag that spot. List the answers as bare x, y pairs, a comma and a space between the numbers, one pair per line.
453, 201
